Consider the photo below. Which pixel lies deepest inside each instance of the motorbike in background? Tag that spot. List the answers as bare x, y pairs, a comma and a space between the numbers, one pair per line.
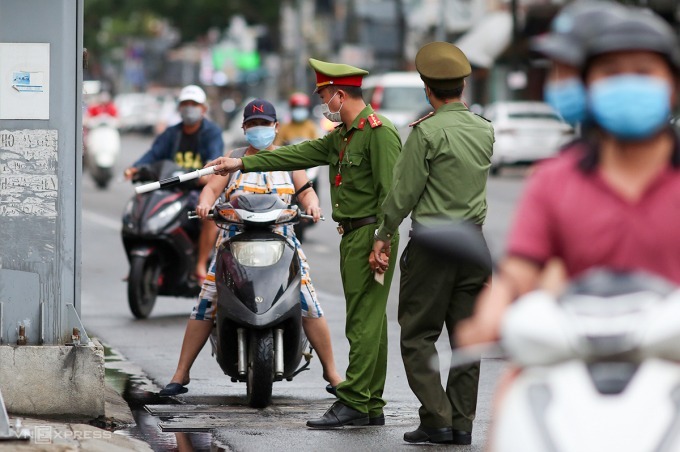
102, 148
598, 365
161, 242
258, 337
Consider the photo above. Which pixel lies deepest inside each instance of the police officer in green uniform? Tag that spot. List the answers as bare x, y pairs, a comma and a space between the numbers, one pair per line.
440, 175
360, 153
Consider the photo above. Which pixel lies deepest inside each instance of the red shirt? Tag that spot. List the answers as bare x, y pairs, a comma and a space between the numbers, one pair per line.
576, 216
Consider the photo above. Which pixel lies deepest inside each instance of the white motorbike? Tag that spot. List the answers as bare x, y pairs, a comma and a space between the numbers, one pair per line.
598, 366
102, 148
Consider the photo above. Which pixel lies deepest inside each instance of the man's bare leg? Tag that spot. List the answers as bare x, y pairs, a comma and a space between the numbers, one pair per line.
206, 242
319, 336
195, 337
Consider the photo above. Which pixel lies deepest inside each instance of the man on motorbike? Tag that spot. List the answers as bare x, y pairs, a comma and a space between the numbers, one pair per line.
300, 128
260, 127
191, 143
611, 200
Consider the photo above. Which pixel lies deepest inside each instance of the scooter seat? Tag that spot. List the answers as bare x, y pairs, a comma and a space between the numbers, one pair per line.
259, 203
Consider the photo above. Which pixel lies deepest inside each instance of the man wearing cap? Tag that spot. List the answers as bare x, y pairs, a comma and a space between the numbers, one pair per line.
360, 153
575, 24
440, 175
190, 144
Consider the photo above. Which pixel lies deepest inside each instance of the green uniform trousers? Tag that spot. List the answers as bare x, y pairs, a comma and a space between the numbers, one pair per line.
434, 291
366, 322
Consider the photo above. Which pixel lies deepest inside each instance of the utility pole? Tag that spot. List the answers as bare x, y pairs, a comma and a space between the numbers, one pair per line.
48, 365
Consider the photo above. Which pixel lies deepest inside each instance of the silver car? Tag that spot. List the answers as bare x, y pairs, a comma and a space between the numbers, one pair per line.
525, 132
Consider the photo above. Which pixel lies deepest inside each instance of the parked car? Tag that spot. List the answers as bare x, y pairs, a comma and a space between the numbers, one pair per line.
138, 112
525, 132
397, 95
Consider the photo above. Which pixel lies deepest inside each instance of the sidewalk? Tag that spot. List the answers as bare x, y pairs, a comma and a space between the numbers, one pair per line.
65, 436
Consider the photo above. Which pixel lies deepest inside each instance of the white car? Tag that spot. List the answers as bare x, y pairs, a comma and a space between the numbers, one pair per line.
525, 132
397, 95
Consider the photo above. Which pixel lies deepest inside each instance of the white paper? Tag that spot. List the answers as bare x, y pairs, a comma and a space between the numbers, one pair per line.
379, 278
24, 81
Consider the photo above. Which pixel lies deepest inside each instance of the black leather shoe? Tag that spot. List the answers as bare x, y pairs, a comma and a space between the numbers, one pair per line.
462, 438
339, 415
377, 420
422, 434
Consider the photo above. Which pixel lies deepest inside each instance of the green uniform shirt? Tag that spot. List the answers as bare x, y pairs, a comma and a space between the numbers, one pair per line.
366, 168
442, 170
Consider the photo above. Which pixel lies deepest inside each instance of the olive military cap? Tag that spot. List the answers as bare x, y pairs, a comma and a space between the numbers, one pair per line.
336, 74
442, 65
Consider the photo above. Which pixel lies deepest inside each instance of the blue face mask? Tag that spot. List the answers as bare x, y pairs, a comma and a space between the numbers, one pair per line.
299, 114
427, 99
568, 98
260, 137
630, 107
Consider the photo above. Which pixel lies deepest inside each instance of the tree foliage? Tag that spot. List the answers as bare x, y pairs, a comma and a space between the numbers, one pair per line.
108, 21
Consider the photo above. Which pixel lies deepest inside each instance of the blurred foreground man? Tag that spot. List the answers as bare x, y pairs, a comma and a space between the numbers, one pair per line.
360, 153
610, 201
440, 175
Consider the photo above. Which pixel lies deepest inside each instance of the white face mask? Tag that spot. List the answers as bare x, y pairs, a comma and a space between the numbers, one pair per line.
191, 114
331, 116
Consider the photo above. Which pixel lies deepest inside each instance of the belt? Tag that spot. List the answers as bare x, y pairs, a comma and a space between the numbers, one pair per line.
347, 226
415, 228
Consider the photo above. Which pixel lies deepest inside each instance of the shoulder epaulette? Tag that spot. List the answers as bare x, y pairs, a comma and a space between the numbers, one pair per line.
418, 121
485, 119
374, 121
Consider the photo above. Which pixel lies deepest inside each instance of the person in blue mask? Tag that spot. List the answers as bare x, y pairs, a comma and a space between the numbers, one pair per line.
575, 24
260, 127
622, 184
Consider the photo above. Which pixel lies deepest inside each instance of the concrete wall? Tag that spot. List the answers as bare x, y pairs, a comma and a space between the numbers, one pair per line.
53, 380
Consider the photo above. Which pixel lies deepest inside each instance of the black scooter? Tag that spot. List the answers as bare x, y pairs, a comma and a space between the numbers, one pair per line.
258, 336
160, 241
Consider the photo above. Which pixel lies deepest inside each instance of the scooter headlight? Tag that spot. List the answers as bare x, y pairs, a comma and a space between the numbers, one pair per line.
257, 254
164, 216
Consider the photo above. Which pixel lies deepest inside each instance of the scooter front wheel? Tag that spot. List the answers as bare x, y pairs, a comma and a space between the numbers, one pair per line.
260, 368
143, 283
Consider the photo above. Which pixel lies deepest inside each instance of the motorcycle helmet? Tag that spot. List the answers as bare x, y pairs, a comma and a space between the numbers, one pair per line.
299, 100
642, 30
573, 26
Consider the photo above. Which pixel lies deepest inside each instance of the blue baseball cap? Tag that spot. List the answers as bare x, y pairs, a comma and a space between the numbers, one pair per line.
259, 109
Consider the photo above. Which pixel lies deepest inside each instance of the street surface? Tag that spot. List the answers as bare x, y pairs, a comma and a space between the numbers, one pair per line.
213, 401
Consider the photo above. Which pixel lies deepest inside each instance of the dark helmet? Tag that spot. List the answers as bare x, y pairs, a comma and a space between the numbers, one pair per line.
641, 30
575, 24
299, 100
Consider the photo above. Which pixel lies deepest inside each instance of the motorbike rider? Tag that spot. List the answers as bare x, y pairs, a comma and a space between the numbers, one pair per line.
575, 24
191, 143
103, 106
260, 127
300, 128
611, 200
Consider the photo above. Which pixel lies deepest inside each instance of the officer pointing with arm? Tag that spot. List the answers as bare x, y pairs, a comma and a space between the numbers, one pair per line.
360, 153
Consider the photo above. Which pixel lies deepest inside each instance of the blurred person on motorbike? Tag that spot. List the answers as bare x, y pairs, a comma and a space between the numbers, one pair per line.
301, 127
575, 24
611, 199
260, 127
102, 106
191, 144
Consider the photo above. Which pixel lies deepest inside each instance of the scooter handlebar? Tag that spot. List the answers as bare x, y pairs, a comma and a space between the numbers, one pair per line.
192, 215
175, 180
